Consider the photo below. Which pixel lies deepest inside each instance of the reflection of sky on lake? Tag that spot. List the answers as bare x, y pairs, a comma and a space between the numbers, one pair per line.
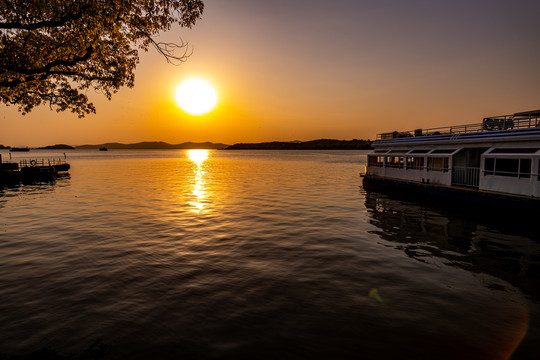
239, 254
434, 236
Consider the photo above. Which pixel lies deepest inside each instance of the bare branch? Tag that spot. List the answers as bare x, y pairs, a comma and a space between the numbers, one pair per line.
168, 51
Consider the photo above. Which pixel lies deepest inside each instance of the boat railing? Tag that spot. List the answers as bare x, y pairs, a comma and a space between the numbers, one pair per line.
42, 162
505, 122
517, 174
465, 176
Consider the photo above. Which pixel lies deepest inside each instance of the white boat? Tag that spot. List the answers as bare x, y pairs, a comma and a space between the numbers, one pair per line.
493, 162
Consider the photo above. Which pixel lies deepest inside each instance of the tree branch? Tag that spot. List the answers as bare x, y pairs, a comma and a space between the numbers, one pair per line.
54, 51
47, 68
13, 83
167, 49
41, 24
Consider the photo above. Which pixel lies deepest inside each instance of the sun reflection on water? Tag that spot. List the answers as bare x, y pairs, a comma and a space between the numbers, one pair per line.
198, 157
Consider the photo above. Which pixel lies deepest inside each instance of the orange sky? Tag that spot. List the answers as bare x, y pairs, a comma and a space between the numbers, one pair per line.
309, 69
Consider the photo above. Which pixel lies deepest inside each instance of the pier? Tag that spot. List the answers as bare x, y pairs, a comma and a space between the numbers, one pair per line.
31, 171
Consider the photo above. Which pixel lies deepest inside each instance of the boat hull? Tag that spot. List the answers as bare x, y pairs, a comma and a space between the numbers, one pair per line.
463, 198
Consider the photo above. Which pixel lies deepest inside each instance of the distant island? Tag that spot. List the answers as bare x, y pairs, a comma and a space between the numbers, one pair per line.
321, 144
156, 145
57, 147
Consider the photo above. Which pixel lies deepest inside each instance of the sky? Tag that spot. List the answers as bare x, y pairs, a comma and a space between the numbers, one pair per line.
308, 69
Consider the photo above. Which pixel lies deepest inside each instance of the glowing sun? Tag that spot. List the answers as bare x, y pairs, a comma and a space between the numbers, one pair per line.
196, 97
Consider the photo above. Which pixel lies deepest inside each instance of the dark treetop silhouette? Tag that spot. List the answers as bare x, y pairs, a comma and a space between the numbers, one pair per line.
53, 51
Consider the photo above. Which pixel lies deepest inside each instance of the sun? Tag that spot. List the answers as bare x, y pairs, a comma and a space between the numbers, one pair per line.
196, 97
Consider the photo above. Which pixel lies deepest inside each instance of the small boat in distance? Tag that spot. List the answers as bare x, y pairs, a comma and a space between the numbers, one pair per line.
20, 149
495, 162
103, 148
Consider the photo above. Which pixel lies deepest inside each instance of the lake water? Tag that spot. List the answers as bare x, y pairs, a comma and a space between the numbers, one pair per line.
254, 255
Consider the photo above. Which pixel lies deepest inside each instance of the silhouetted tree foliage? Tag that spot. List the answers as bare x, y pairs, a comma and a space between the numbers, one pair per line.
53, 51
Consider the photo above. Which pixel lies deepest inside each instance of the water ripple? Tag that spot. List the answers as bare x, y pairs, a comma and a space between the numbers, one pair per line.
214, 255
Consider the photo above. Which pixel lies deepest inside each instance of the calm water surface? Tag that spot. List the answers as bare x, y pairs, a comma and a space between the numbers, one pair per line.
254, 255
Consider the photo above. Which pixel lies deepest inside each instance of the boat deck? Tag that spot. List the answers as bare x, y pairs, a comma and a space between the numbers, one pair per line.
518, 124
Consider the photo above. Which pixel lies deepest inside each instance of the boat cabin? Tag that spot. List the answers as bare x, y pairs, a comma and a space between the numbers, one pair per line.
501, 154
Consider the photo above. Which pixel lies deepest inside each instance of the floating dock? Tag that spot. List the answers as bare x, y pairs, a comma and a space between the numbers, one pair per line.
30, 171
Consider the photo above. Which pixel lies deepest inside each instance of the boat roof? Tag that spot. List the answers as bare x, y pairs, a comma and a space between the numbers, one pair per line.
528, 113
492, 124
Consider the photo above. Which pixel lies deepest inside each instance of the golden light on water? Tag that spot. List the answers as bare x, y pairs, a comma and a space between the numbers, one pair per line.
198, 157
374, 293
517, 331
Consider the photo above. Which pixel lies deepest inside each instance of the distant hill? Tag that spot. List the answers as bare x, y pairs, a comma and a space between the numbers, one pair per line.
321, 144
4, 147
57, 147
156, 145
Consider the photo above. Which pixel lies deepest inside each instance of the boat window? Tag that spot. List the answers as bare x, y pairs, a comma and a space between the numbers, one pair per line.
375, 160
388, 135
506, 167
395, 161
520, 168
419, 151
525, 168
398, 151
514, 150
489, 166
381, 151
415, 162
438, 164
443, 151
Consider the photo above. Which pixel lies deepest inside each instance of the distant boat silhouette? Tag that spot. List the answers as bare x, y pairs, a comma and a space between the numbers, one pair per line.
19, 149
103, 148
